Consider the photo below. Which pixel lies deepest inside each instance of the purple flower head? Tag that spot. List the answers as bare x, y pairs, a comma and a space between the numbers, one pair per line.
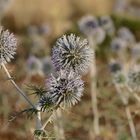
8, 46
34, 66
125, 34
88, 24
72, 54
118, 44
65, 89
107, 24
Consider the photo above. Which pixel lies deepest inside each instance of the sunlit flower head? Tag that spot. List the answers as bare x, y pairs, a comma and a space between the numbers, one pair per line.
8, 46
65, 89
72, 54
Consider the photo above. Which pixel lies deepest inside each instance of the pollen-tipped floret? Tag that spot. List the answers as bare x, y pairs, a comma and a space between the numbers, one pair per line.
8, 45
64, 90
72, 54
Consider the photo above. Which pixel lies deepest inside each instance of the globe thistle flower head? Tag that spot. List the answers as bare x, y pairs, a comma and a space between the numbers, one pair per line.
118, 44
8, 46
65, 89
125, 34
87, 24
72, 54
134, 79
34, 66
107, 24
47, 66
45, 103
44, 29
115, 67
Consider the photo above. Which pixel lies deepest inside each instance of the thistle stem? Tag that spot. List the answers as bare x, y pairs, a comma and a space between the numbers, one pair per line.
132, 93
58, 127
93, 76
128, 113
22, 93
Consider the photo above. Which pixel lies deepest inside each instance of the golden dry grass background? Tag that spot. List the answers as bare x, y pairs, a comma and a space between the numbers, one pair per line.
61, 15
58, 13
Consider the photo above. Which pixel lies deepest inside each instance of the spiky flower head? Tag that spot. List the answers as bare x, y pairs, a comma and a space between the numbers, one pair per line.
72, 54
125, 34
118, 44
115, 67
47, 66
134, 79
107, 24
64, 90
34, 65
88, 24
8, 46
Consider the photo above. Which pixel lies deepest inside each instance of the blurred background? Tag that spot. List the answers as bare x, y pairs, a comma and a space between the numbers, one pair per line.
37, 24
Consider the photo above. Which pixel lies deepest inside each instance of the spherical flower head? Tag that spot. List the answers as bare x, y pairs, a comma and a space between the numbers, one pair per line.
134, 79
47, 66
126, 35
72, 54
65, 89
115, 67
107, 24
88, 24
118, 44
8, 46
34, 66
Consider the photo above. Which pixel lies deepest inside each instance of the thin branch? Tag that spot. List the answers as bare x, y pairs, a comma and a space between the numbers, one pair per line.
132, 93
128, 113
93, 76
22, 93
